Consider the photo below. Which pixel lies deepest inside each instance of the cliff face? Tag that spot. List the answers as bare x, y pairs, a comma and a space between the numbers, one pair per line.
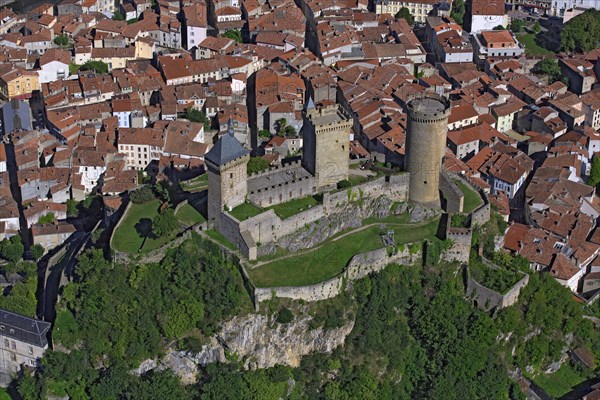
258, 340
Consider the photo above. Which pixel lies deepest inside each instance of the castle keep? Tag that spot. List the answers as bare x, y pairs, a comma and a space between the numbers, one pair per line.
326, 133
425, 147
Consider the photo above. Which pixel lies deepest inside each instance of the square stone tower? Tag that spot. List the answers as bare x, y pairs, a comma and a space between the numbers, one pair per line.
227, 174
326, 134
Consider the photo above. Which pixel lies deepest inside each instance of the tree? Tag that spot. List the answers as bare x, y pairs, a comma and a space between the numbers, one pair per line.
594, 179
98, 67
404, 13
46, 219
582, 32
233, 34
264, 134
549, 66
118, 17
163, 192
290, 131
537, 28
37, 251
516, 25
285, 316
165, 223
72, 210
12, 249
280, 125
62, 40
197, 116
458, 11
141, 195
498, 28
257, 164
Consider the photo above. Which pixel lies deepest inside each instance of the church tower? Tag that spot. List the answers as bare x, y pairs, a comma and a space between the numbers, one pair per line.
227, 174
326, 152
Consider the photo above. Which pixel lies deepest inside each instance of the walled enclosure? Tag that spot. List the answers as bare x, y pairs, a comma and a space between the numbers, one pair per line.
358, 267
267, 227
488, 299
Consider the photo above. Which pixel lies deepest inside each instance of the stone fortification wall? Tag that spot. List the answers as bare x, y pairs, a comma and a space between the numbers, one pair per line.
280, 192
481, 215
461, 245
488, 299
359, 266
454, 196
267, 227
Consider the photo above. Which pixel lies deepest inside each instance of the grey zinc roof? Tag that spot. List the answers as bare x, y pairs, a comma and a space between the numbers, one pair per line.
16, 114
22, 328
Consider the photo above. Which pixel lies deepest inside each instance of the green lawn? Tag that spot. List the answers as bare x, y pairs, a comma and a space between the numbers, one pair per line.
127, 238
331, 258
560, 382
216, 235
472, 199
196, 184
531, 47
245, 211
189, 216
293, 207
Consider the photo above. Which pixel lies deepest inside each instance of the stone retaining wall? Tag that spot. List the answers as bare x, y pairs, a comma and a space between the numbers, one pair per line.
358, 267
267, 227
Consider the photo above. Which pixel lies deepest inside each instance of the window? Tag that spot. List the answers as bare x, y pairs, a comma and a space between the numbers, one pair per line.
14, 345
6, 343
30, 350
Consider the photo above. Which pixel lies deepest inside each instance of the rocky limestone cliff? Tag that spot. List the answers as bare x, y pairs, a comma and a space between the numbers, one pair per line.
258, 340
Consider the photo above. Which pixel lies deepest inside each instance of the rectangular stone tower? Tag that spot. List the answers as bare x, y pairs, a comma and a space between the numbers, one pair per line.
326, 134
227, 175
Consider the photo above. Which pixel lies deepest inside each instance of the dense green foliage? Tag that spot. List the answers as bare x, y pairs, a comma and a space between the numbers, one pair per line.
405, 14
198, 116
233, 34
97, 66
257, 164
165, 223
118, 17
47, 218
594, 178
516, 25
37, 251
62, 40
194, 287
12, 249
20, 298
458, 11
582, 32
549, 66
141, 195
537, 28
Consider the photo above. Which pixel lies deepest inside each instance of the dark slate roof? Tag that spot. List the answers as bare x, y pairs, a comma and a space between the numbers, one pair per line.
16, 114
22, 328
226, 149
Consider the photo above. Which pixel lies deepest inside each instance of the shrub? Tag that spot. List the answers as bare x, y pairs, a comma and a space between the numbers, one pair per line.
285, 316
142, 195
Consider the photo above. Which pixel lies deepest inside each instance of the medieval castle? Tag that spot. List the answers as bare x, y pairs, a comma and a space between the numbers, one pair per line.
325, 162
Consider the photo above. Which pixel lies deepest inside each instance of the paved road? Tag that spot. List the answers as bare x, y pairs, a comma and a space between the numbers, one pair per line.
53, 274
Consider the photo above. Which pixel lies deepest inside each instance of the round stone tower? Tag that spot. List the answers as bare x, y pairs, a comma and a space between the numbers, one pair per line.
425, 146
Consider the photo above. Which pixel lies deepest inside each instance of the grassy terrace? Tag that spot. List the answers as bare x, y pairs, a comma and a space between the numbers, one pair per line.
245, 211
330, 259
129, 236
196, 184
531, 47
561, 382
217, 236
472, 199
293, 207
189, 216
500, 280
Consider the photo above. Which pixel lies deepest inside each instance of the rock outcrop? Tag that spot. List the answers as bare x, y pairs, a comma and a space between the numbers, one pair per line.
258, 340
